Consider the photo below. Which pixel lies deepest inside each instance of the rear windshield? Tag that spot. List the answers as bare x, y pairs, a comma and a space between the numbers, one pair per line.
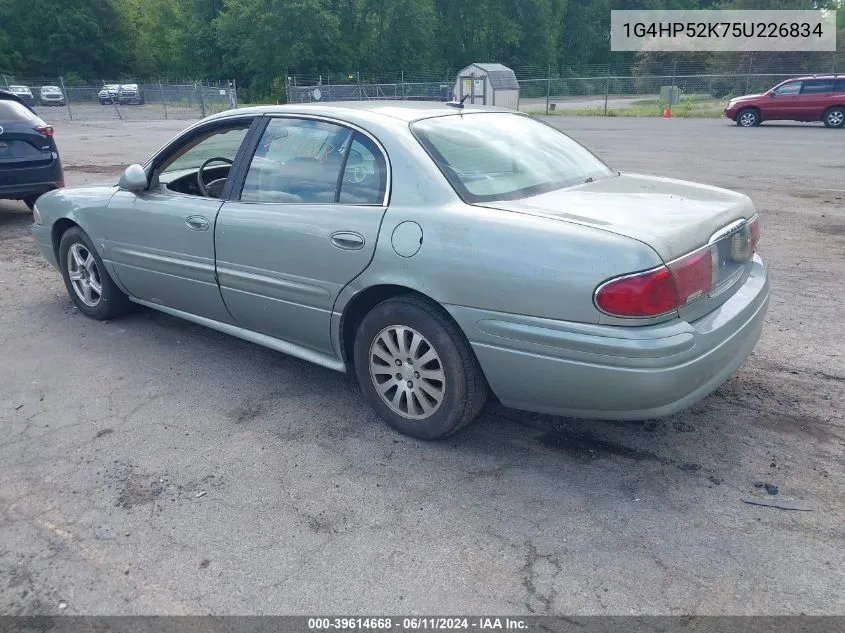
500, 156
14, 111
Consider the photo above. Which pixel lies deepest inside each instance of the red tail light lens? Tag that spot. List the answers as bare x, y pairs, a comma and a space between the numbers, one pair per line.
754, 232
659, 290
640, 295
693, 275
46, 130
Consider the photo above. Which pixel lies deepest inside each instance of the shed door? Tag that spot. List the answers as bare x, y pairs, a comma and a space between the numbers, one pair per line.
475, 87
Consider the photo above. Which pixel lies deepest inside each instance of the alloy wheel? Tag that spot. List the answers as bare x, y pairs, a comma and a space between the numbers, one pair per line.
84, 275
407, 372
747, 119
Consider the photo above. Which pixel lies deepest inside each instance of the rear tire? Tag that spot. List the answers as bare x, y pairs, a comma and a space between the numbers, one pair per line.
86, 279
834, 117
438, 388
749, 117
30, 202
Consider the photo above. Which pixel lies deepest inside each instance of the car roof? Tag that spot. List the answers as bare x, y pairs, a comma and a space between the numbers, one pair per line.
408, 111
806, 77
5, 95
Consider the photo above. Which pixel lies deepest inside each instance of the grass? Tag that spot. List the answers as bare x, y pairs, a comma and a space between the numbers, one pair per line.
687, 108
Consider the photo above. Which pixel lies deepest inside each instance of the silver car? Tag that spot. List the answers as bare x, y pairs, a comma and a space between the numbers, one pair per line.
440, 252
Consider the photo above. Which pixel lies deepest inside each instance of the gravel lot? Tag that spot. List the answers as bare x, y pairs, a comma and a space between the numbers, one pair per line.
154, 466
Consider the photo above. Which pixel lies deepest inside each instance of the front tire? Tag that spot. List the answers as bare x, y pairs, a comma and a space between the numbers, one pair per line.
749, 117
417, 370
834, 117
86, 279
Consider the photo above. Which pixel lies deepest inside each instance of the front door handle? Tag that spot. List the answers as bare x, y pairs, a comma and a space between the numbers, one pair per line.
197, 223
348, 241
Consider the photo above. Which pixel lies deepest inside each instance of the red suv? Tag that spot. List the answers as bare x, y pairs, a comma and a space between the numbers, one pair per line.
816, 98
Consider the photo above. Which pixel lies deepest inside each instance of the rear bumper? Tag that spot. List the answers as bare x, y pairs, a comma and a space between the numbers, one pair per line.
21, 190
612, 372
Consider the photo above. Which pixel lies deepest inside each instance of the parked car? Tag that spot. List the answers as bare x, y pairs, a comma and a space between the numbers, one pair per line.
108, 94
51, 96
24, 93
130, 93
29, 159
436, 250
816, 98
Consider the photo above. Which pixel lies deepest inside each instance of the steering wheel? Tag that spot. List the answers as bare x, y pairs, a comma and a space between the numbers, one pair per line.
205, 189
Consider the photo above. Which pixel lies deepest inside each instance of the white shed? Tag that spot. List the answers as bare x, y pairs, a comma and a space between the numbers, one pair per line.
488, 84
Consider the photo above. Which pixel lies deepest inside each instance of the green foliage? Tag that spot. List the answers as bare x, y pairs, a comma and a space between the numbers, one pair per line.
262, 42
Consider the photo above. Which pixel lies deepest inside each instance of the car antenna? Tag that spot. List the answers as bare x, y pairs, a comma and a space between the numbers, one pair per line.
457, 104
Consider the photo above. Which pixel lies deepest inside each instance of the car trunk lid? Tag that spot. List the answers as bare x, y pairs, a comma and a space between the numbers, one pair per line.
675, 218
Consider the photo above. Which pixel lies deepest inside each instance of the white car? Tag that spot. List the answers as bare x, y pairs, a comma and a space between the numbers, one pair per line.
51, 95
108, 94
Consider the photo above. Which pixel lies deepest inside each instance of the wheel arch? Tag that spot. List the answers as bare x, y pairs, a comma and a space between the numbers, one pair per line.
365, 300
756, 109
59, 228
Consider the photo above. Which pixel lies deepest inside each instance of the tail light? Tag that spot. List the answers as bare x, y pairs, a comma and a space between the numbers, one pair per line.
660, 290
46, 130
640, 295
754, 232
667, 288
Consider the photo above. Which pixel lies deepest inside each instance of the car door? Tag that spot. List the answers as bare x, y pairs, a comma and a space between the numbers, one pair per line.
784, 102
816, 95
161, 240
303, 226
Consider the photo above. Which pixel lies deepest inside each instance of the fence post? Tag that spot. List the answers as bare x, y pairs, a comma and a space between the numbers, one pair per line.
163, 104
403, 85
202, 101
748, 76
606, 88
67, 98
548, 88
233, 95
6, 81
672, 91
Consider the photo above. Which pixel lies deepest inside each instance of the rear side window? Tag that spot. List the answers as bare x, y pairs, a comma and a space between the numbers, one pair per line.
817, 86
297, 161
365, 174
14, 111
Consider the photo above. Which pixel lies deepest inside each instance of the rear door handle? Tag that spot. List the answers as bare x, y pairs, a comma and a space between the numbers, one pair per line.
196, 223
348, 241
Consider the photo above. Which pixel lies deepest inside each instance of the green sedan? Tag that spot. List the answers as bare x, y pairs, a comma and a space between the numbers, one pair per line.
444, 253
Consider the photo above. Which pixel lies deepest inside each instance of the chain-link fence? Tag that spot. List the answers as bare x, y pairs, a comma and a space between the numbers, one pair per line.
700, 87
61, 99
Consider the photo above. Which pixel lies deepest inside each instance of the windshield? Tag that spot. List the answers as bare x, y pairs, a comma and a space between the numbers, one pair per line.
501, 156
18, 89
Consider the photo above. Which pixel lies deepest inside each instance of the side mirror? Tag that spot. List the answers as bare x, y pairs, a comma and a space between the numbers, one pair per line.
134, 178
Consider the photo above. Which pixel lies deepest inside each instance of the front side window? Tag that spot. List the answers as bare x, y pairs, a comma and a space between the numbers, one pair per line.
791, 88
500, 156
212, 153
217, 143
